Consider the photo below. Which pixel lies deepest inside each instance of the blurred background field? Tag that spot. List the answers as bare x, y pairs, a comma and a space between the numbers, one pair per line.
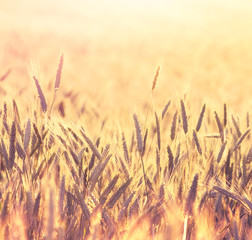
113, 48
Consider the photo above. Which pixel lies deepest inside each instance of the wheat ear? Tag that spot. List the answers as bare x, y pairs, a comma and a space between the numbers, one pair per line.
199, 123
165, 109
170, 157
125, 206
196, 140
239, 141
138, 134
5, 155
36, 205
97, 172
20, 151
223, 146
220, 127
118, 193
83, 205
237, 128
184, 116
27, 135
155, 79
191, 196
91, 145
158, 132
12, 149
41, 95
173, 126
125, 149
225, 115
3, 77
57, 82
5, 209
108, 189
140, 146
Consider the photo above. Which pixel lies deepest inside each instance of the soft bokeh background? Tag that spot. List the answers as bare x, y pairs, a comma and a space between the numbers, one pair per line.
113, 48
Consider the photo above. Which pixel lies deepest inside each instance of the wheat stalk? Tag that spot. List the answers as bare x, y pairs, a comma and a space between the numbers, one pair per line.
61, 196
50, 222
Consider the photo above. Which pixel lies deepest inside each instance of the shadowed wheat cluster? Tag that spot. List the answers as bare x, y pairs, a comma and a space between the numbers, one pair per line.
172, 174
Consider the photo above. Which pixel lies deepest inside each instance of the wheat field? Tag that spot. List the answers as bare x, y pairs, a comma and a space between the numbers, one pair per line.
120, 121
